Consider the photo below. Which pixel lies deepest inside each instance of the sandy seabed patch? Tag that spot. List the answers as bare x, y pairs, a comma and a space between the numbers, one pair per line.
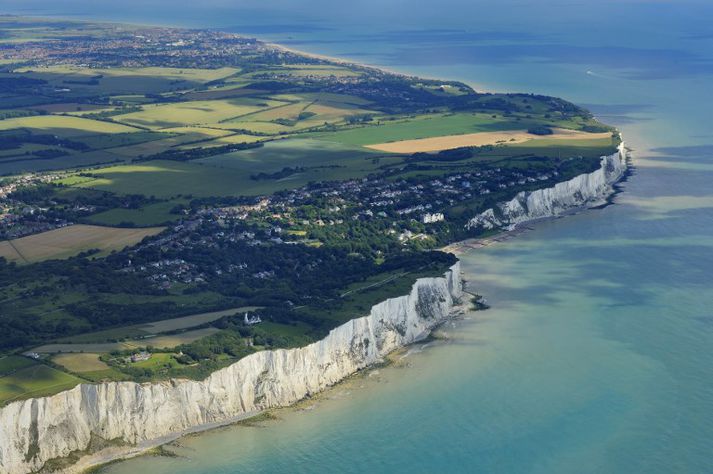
480, 139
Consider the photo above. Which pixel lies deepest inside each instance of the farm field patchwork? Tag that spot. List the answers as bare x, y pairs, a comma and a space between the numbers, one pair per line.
331, 212
192, 113
68, 241
509, 137
65, 126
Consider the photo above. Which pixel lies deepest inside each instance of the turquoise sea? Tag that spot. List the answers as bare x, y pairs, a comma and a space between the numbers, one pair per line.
597, 354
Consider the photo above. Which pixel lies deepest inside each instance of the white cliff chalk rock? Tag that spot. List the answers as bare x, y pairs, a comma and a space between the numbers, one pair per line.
585, 190
35, 431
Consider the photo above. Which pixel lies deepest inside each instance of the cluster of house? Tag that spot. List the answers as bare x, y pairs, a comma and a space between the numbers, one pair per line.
139, 356
282, 219
18, 219
9, 186
164, 273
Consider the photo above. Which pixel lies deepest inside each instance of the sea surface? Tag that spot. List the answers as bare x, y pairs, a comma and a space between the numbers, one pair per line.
597, 353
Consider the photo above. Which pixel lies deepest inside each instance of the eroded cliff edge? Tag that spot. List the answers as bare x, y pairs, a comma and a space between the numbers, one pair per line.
585, 190
37, 430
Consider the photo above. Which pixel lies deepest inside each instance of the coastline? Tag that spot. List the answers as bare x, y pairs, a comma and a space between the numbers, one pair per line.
132, 418
518, 228
117, 453
94, 462
476, 87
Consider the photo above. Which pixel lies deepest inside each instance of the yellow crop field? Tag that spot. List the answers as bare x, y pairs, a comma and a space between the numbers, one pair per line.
230, 139
198, 112
65, 126
288, 111
71, 240
325, 98
484, 138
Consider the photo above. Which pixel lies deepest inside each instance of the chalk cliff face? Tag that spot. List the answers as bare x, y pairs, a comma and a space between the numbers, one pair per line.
581, 191
37, 430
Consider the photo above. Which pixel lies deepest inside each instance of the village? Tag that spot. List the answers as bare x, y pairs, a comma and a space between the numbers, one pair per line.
406, 212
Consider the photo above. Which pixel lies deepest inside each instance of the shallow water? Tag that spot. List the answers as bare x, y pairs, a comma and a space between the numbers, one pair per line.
597, 353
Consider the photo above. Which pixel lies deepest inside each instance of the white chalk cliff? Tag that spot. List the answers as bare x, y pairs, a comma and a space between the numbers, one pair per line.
35, 431
585, 190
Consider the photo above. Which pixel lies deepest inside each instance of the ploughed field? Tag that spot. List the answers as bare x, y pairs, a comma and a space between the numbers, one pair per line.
152, 196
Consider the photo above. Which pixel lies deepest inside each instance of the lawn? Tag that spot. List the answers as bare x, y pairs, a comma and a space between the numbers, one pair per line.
34, 381
69, 241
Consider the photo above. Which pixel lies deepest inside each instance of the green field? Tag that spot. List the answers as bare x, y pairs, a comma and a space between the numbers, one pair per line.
36, 380
64, 126
425, 126
145, 216
157, 361
228, 174
192, 113
13, 363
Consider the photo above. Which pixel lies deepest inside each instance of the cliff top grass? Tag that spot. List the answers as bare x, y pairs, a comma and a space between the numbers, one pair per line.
33, 380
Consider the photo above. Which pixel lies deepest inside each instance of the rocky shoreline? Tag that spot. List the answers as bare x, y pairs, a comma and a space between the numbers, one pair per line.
127, 416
